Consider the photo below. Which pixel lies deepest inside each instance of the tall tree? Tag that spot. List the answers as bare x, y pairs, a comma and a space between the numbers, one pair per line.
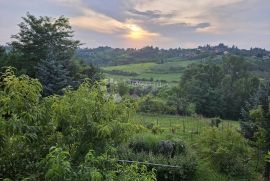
2, 56
53, 75
259, 127
2, 51
38, 36
219, 90
201, 84
265, 126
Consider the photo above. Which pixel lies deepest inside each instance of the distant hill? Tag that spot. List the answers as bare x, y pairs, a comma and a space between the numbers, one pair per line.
167, 65
107, 56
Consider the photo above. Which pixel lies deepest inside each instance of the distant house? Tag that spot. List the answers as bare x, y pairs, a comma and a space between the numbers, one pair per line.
266, 57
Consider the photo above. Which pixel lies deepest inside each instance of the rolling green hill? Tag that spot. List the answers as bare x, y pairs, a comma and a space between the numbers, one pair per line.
171, 70
168, 71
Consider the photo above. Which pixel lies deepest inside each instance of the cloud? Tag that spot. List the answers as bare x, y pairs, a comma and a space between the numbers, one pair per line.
203, 25
91, 19
192, 12
137, 33
149, 14
96, 22
67, 2
99, 22
176, 21
164, 23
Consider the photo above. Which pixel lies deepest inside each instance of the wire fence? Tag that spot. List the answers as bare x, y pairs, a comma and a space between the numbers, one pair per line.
147, 163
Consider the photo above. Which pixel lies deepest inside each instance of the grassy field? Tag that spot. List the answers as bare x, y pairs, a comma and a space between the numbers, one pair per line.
168, 71
188, 129
172, 69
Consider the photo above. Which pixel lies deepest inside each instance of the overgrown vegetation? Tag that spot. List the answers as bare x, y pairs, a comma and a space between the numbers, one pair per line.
62, 132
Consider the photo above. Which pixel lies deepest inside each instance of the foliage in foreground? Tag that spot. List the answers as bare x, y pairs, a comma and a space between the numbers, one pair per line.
61, 132
93, 168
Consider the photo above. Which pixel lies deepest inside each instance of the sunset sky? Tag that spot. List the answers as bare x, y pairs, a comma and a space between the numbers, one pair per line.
163, 23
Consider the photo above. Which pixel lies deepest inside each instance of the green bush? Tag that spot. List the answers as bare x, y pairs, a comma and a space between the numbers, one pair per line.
159, 150
180, 147
156, 143
71, 124
227, 150
94, 168
149, 125
57, 165
144, 143
185, 164
157, 130
152, 105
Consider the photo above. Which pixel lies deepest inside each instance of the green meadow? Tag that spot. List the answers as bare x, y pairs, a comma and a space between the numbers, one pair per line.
184, 127
169, 71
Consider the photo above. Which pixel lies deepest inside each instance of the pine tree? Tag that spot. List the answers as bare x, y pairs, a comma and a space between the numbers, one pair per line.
53, 75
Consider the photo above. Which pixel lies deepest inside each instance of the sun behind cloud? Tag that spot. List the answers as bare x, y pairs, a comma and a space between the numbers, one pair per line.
135, 32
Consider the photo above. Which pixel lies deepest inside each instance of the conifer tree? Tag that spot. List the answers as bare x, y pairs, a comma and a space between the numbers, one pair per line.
53, 75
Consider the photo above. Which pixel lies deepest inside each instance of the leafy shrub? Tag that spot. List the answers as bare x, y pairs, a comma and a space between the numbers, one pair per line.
57, 165
152, 105
215, 122
227, 150
149, 125
144, 143
180, 147
166, 148
87, 117
93, 168
180, 167
157, 145
80, 120
122, 88
157, 130
20, 125
135, 172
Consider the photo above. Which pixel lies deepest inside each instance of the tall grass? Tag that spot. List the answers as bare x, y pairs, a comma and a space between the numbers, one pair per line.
186, 128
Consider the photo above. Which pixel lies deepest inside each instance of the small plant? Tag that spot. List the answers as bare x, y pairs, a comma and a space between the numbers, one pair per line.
157, 145
157, 130
215, 122
173, 130
58, 165
146, 143
149, 125
180, 147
